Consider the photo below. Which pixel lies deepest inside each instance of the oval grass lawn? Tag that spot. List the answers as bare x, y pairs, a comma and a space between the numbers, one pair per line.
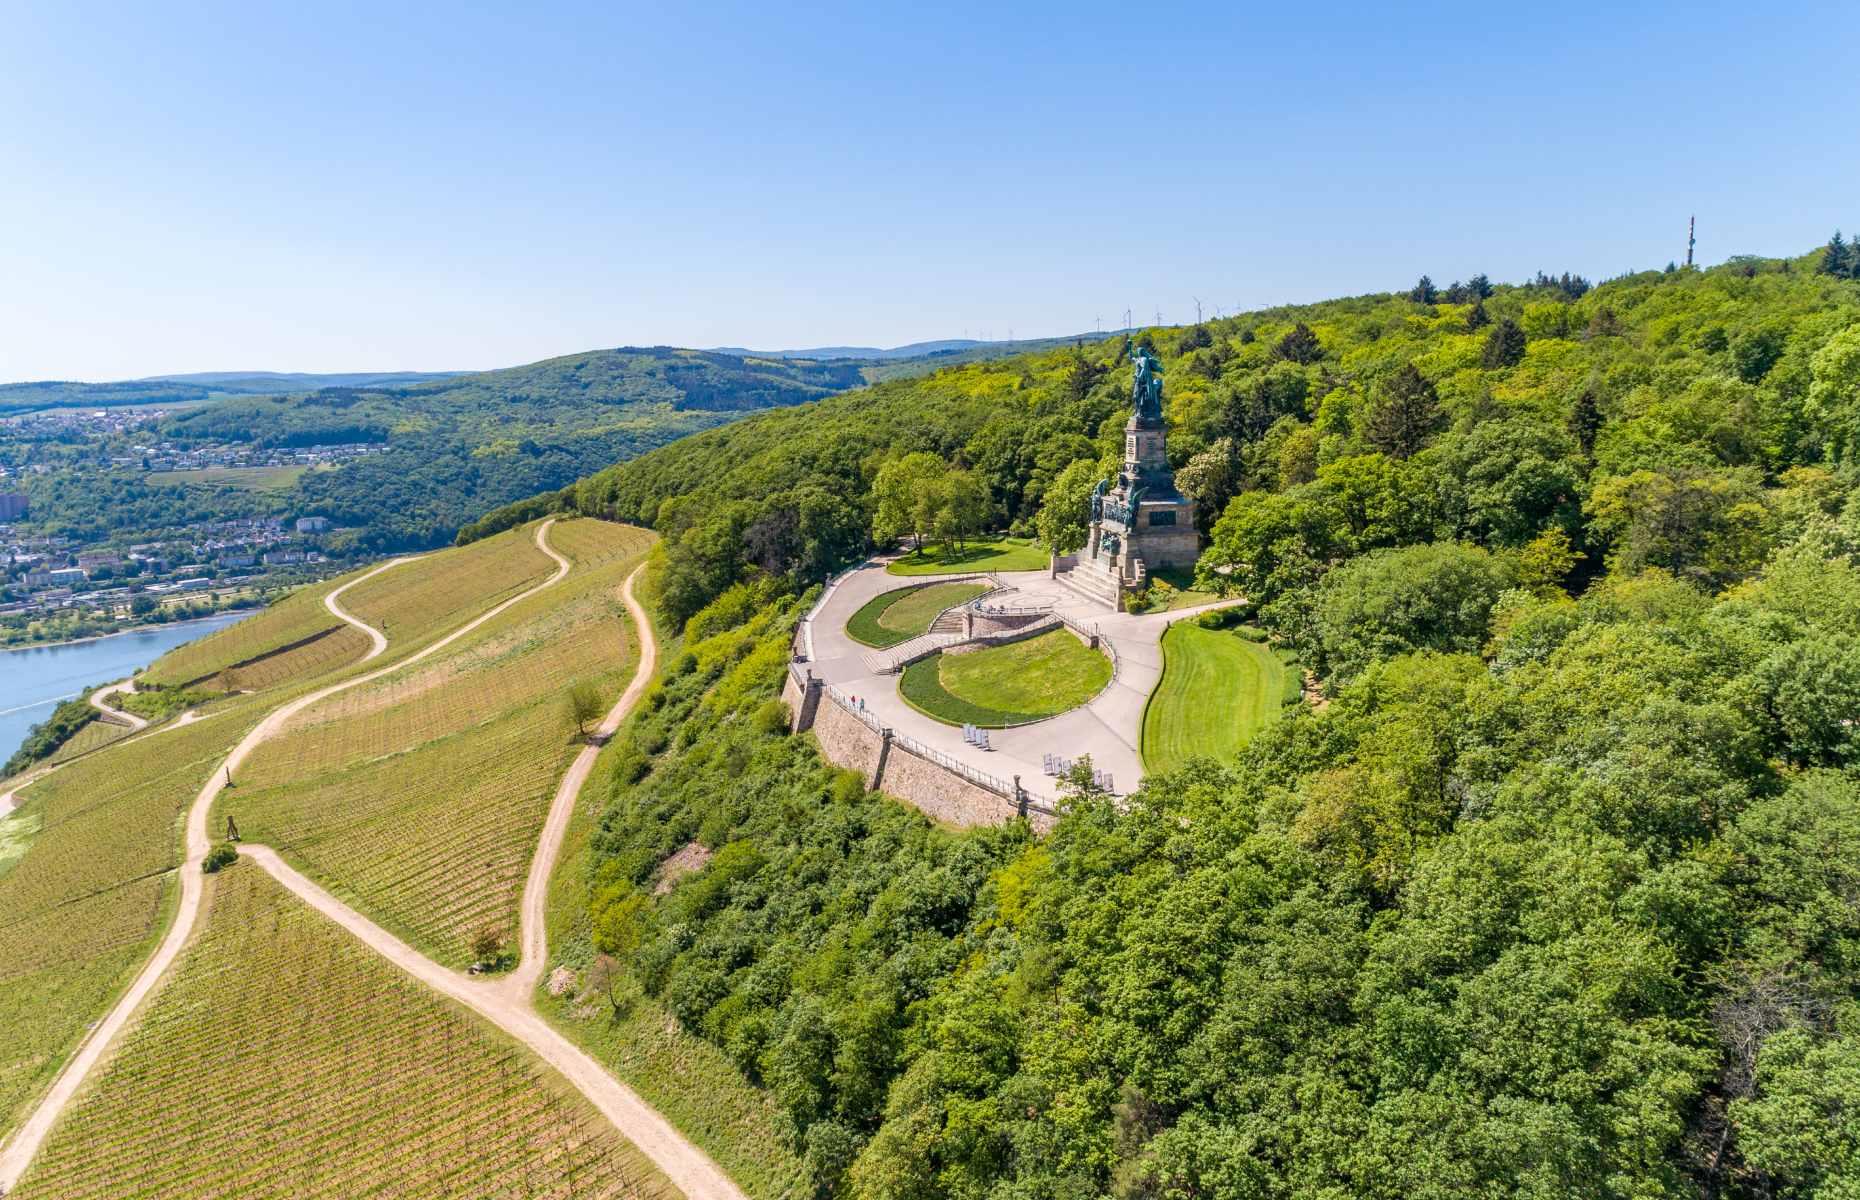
1007, 685
901, 614
1217, 690
998, 553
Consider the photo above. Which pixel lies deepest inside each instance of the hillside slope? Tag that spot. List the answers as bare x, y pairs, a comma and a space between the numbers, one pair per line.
1551, 897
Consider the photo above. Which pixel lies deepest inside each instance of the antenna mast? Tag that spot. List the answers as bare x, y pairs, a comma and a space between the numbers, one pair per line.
1691, 227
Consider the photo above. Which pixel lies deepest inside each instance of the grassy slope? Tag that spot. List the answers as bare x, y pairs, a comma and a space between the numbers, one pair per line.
1007, 685
245, 479
1000, 553
1217, 690
419, 797
285, 1059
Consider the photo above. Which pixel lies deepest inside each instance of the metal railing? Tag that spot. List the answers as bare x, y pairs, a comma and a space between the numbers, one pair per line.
993, 783
856, 707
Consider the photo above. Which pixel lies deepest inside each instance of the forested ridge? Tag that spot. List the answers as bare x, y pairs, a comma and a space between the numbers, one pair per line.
1558, 893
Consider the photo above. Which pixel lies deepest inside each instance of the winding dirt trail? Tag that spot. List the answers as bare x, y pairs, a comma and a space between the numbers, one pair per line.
98, 697
506, 1002
24, 1145
533, 942
9, 800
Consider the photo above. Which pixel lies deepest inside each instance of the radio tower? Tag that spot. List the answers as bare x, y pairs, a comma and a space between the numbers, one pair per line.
1691, 228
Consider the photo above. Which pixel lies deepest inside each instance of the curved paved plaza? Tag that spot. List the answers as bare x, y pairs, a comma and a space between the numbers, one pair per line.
1109, 728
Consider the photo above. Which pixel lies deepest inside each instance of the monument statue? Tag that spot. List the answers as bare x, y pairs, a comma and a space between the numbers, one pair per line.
1146, 385
1140, 521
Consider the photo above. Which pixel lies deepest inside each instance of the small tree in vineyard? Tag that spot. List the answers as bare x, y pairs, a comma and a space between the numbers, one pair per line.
584, 704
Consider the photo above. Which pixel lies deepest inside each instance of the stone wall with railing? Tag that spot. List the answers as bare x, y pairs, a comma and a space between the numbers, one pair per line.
937, 784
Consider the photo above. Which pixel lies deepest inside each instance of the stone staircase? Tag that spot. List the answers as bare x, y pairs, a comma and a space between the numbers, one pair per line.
948, 621
1094, 585
895, 659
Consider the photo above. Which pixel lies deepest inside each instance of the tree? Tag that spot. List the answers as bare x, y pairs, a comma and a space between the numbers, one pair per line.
1437, 596
1586, 420
1081, 375
584, 704
1476, 318
1812, 693
1755, 351
1300, 346
1211, 478
1704, 525
1065, 513
905, 497
1839, 259
1406, 412
1833, 407
1424, 292
963, 507
1504, 346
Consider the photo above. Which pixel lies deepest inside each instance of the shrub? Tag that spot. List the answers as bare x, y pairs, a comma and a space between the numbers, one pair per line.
223, 854
772, 718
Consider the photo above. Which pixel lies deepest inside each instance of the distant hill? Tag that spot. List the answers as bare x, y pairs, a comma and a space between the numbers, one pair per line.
278, 382
873, 353
456, 445
190, 389
937, 353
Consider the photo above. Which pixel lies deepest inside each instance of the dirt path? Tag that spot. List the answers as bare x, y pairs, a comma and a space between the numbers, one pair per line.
19, 1151
533, 943
505, 1002
9, 799
102, 694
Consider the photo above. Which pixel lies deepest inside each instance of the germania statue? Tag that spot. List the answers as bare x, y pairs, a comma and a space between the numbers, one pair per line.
1146, 385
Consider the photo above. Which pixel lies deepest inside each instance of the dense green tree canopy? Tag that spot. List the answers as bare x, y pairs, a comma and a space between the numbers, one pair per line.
1552, 896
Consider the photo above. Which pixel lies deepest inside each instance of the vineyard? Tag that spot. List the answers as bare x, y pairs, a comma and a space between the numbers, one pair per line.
285, 1059
418, 797
327, 653
80, 908
84, 902
292, 619
418, 601
97, 734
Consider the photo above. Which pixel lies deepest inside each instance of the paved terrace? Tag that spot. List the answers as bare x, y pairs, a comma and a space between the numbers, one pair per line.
1109, 728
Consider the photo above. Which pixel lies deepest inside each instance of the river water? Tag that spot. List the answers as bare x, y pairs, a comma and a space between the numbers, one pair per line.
33, 679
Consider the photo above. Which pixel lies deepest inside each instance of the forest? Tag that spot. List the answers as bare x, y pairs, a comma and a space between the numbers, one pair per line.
1555, 894
454, 447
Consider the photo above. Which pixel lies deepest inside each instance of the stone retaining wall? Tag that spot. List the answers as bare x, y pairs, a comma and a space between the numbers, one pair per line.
891, 766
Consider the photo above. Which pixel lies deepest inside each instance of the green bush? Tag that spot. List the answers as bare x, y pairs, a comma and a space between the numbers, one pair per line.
223, 854
772, 718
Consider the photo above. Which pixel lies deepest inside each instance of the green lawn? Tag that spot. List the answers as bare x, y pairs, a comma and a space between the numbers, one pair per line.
1182, 579
997, 553
1217, 690
246, 479
901, 614
1007, 685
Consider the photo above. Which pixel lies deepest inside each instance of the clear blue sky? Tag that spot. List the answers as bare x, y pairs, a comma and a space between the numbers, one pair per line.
337, 187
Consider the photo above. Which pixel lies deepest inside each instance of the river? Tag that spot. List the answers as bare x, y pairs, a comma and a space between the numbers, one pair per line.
33, 679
